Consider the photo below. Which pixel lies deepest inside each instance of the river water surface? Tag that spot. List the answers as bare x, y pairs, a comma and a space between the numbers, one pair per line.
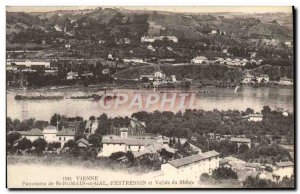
206, 99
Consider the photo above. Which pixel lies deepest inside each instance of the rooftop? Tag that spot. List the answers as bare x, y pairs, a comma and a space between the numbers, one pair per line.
35, 132
129, 141
284, 164
239, 139
200, 58
66, 132
192, 159
84, 141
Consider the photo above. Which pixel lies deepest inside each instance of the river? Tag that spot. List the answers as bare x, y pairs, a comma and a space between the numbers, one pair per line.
206, 99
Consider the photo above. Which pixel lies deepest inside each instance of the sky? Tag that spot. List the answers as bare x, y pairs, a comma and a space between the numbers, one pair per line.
191, 9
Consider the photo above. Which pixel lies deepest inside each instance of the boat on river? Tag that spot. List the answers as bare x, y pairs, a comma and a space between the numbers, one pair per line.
40, 97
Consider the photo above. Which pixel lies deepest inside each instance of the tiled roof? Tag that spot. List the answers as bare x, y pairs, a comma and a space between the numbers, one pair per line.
284, 164
194, 158
35, 132
84, 141
239, 139
128, 141
66, 132
138, 154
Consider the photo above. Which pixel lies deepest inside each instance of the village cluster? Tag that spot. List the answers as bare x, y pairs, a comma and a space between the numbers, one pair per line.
143, 146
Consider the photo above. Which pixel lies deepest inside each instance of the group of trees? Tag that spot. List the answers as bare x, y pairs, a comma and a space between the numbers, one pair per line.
256, 182
265, 153
15, 142
230, 122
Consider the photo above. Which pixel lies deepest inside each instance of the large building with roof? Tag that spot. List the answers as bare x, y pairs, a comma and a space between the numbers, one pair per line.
241, 141
200, 163
124, 143
34, 134
50, 134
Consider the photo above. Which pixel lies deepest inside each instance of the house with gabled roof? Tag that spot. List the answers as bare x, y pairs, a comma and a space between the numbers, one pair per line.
82, 143
240, 141
50, 133
34, 134
195, 164
65, 135
284, 169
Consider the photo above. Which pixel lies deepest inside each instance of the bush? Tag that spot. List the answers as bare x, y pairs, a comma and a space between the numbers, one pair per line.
224, 173
24, 144
255, 182
40, 144
204, 176
54, 146
12, 137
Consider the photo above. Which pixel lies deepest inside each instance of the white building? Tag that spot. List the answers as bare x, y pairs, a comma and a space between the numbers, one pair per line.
284, 169
288, 44
240, 141
199, 60
214, 32
263, 79
152, 39
196, 164
285, 81
50, 133
123, 143
29, 63
72, 75
65, 135
34, 134
255, 117
133, 60
248, 78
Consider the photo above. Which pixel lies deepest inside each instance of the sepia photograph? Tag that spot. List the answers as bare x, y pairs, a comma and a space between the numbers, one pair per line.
144, 97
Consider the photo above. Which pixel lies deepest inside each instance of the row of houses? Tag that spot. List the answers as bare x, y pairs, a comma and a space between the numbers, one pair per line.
151, 39
245, 169
228, 61
142, 145
252, 79
158, 78
29, 65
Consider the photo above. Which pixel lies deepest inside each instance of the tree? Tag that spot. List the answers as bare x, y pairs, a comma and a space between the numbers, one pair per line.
224, 173
40, 124
54, 119
80, 131
40, 144
53, 146
130, 156
9, 124
256, 182
249, 111
95, 139
243, 148
103, 125
92, 118
266, 110
12, 137
24, 144
70, 144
